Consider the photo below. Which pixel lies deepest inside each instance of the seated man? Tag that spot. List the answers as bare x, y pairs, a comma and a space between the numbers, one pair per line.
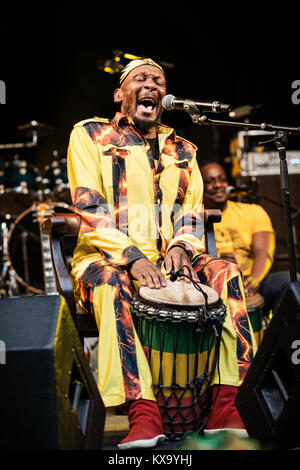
119, 166
246, 236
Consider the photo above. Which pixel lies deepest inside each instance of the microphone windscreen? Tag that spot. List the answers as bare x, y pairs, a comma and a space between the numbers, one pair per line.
167, 101
229, 189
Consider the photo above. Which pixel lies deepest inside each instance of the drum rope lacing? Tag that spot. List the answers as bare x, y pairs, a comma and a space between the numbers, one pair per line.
207, 320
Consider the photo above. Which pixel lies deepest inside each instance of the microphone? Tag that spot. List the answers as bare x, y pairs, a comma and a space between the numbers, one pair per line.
239, 190
170, 102
174, 276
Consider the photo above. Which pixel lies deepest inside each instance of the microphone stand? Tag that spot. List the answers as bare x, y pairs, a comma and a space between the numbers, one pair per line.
257, 196
280, 140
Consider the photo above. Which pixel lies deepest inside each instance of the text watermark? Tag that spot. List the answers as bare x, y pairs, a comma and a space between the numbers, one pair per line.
141, 221
295, 358
2, 352
2, 92
296, 94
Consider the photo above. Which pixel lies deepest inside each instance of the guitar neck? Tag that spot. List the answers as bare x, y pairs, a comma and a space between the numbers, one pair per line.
50, 286
49, 276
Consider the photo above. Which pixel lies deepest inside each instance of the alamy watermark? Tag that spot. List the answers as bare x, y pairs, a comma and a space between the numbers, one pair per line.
296, 94
141, 221
2, 352
2, 92
295, 358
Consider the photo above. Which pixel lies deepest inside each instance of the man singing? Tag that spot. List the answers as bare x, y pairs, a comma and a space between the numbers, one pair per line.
114, 167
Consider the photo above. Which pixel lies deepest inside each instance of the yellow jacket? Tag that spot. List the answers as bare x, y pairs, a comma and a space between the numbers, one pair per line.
129, 204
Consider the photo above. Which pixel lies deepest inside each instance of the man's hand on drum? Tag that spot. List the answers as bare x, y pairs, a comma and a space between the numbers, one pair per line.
229, 257
175, 259
147, 274
251, 286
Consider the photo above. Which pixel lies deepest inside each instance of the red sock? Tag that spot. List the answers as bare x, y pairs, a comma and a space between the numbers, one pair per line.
224, 414
144, 421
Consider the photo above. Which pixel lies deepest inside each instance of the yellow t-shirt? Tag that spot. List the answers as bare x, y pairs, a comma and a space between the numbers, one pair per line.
234, 233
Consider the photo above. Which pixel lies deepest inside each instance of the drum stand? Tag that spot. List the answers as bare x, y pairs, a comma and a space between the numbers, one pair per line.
280, 140
21, 145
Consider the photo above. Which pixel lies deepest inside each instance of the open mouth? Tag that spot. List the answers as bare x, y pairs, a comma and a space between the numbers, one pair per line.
147, 104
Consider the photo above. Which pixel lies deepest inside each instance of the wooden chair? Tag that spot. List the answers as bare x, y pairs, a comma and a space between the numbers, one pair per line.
58, 226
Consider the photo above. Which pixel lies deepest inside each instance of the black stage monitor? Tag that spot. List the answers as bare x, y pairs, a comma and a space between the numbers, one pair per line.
269, 398
48, 395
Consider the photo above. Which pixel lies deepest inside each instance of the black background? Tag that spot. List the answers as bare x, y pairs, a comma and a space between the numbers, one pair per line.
49, 64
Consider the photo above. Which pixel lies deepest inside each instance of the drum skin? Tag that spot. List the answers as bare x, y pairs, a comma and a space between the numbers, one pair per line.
255, 308
178, 294
254, 302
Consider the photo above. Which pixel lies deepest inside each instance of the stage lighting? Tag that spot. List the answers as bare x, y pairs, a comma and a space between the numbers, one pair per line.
120, 59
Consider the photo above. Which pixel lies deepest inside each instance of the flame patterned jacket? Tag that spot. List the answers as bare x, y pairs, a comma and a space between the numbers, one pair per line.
130, 205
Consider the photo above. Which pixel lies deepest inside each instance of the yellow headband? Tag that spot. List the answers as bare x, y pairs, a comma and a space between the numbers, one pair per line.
137, 63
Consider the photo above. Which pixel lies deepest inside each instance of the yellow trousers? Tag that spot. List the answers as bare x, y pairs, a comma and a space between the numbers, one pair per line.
123, 370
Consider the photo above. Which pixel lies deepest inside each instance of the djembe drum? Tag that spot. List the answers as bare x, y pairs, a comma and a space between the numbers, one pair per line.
255, 307
179, 327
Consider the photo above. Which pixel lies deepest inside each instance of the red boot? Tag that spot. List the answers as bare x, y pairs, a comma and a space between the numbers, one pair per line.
224, 415
145, 426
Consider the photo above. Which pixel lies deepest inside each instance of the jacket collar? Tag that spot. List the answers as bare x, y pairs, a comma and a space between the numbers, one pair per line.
122, 119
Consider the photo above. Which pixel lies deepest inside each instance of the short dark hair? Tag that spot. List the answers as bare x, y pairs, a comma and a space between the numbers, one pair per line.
203, 163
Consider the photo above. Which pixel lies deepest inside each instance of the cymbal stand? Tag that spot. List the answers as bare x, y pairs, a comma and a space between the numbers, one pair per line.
8, 284
280, 140
20, 145
3, 286
24, 238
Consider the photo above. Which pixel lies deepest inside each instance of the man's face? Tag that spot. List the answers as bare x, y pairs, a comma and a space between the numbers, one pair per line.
215, 184
141, 93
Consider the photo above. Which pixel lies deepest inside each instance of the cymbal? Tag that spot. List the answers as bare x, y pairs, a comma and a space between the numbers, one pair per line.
35, 128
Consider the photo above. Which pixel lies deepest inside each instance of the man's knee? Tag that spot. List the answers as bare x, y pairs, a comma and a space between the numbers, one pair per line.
98, 274
232, 267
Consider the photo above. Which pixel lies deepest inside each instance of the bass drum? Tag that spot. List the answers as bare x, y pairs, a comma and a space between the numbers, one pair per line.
18, 186
55, 178
26, 249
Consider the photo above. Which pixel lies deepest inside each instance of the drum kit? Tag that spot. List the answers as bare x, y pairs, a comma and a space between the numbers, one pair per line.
26, 195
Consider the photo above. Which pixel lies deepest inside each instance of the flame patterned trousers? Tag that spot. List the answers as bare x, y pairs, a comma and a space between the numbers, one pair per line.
123, 371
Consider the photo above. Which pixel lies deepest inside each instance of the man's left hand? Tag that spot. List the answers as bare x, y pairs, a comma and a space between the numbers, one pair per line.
175, 259
251, 286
